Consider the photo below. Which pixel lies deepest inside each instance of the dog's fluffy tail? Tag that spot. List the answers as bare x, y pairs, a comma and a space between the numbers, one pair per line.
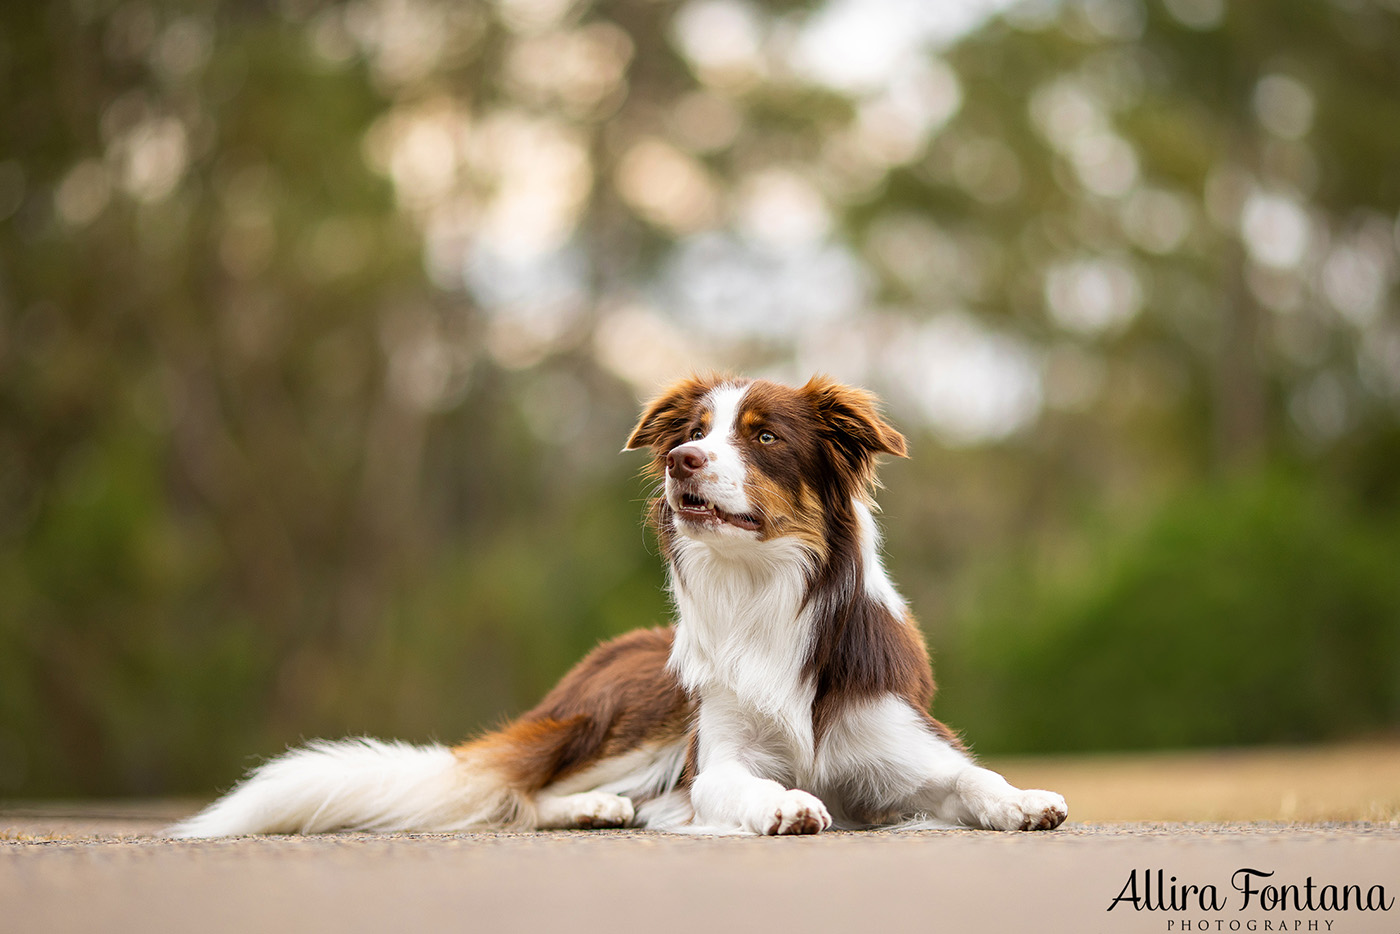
365, 784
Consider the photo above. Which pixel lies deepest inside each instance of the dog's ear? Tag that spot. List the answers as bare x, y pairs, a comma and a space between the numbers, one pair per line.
666, 415
852, 421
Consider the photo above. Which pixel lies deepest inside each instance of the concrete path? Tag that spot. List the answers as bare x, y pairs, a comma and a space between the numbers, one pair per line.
1201, 817
80, 870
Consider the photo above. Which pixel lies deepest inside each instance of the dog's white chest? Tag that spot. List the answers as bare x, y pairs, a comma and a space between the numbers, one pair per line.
742, 640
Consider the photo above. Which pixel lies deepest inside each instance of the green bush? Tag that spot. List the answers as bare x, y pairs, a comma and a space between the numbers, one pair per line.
1259, 611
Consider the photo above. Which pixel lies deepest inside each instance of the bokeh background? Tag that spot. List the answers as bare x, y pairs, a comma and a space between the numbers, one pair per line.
321, 325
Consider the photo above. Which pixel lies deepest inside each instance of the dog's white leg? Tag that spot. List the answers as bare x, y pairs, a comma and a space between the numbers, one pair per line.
587, 809
962, 792
903, 766
727, 793
982, 798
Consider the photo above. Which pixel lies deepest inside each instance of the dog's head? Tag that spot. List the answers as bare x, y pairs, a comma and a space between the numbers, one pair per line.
756, 460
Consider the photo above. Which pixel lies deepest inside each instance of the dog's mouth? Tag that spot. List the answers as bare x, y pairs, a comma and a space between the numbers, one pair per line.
697, 509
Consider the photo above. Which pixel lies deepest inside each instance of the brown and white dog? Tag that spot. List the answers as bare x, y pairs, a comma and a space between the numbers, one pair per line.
791, 694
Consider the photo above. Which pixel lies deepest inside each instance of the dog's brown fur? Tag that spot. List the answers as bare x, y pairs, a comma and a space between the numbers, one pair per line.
622, 694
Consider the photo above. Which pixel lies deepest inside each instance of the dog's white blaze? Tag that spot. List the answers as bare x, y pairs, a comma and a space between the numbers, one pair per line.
723, 480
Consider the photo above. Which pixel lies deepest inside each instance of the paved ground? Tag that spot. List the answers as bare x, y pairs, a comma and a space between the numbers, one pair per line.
106, 868
1353, 782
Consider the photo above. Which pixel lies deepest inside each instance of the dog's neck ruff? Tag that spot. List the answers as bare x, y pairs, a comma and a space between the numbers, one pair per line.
742, 626
746, 621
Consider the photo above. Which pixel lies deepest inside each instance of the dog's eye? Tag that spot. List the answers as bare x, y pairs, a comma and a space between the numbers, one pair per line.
766, 437
697, 434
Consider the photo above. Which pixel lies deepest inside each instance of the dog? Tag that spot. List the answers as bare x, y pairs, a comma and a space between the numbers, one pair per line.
790, 696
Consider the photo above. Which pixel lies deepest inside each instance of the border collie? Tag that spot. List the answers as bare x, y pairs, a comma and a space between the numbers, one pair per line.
790, 696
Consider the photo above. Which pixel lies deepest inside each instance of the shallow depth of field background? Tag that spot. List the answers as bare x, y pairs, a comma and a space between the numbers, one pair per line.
321, 325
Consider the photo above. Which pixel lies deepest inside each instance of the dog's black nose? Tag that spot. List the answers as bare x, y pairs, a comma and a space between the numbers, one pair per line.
685, 460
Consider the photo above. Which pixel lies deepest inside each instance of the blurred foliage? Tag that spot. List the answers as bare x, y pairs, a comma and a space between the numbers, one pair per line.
1256, 611
321, 324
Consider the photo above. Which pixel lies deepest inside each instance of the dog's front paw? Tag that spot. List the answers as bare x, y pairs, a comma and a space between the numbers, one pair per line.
1029, 810
796, 812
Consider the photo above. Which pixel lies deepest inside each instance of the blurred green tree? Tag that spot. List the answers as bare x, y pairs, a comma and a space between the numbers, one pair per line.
1254, 611
321, 324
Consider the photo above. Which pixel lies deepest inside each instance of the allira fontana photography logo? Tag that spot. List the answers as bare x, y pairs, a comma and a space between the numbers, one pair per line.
1273, 904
